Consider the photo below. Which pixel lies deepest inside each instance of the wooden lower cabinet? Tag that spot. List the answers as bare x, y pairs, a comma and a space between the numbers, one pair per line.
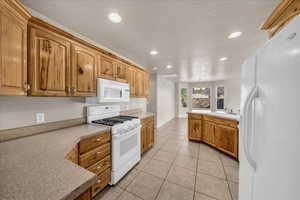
85, 196
217, 132
103, 179
147, 134
195, 129
226, 139
96, 159
208, 133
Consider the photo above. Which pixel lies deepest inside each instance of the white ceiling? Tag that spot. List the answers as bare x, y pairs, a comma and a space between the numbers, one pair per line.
191, 35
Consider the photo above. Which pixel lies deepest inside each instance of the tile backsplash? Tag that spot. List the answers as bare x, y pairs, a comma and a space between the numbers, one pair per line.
18, 112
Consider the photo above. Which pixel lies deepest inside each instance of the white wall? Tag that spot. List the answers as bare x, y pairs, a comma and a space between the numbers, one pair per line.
165, 100
181, 112
20, 111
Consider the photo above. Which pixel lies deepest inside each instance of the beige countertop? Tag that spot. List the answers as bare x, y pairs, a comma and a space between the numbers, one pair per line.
218, 114
35, 168
142, 115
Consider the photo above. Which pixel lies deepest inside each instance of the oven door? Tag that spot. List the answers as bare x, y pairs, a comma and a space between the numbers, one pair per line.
125, 148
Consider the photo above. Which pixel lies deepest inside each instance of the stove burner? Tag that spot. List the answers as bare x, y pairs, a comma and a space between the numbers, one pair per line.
113, 120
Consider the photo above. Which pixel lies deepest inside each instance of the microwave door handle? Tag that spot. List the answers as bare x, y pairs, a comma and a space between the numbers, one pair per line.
246, 135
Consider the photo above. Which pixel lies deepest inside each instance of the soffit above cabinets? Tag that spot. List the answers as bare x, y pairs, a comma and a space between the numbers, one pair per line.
190, 35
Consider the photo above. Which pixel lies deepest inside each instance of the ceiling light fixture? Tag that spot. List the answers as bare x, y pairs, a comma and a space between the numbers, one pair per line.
155, 68
223, 58
169, 66
153, 52
115, 18
235, 35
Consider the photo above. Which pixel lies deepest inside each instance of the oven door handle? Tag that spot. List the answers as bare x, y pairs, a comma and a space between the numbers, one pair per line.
130, 133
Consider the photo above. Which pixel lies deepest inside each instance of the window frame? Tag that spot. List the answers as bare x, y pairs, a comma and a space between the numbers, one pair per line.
216, 101
210, 97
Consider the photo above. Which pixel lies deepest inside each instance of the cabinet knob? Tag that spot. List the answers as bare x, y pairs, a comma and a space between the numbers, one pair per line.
99, 181
98, 152
98, 167
98, 139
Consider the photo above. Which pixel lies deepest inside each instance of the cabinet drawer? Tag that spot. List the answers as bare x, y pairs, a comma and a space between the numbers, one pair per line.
100, 166
92, 142
103, 180
91, 157
195, 116
222, 121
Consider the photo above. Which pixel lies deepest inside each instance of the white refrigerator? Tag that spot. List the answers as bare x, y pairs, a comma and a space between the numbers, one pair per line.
269, 149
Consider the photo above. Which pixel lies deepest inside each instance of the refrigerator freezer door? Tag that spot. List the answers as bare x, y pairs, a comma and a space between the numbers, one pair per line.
277, 123
248, 78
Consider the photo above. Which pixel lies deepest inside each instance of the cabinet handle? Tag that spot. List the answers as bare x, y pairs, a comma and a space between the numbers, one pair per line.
73, 90
26, 87
68, 90
98, 139
98, 167
99, 181
98, 152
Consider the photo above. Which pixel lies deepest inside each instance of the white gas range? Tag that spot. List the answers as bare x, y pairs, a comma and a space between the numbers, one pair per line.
126, 134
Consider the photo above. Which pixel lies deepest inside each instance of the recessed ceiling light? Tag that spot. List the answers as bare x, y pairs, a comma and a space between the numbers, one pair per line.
169, 66
235, 35
223, 58
153, 52
155, 68
114, 17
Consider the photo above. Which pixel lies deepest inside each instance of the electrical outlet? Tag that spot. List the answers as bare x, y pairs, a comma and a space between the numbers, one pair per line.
40, 118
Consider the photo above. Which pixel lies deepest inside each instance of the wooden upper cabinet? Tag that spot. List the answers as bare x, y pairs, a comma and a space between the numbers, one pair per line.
49, 65
146, 84
120, 72
131, 73
84, 69
226, 139
13, 48
281, 16
139, 83
106, 68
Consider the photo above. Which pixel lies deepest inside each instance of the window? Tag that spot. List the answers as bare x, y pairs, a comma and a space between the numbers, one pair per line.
201, 98
183, 96
220, 98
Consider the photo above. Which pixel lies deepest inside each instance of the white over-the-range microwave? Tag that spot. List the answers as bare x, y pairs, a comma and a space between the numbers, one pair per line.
110, 91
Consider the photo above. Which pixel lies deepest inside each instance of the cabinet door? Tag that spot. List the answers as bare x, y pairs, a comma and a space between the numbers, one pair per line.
151, 132
143, 138
195, 129
13, 54
106, 68
83, 71
208, 133
146, 83
49, 67
120, 72
131, 73
226, 139
139, 83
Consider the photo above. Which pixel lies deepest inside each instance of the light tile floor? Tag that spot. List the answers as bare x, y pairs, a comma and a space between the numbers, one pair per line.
177, 169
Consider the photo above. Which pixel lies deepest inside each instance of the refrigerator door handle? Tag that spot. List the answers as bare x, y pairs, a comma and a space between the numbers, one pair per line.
247, 137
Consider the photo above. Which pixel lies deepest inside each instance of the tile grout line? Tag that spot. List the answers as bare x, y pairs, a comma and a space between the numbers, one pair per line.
227, 180
196, 174
165, 179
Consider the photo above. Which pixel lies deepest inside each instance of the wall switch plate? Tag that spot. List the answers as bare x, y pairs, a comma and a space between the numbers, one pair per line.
40, 118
